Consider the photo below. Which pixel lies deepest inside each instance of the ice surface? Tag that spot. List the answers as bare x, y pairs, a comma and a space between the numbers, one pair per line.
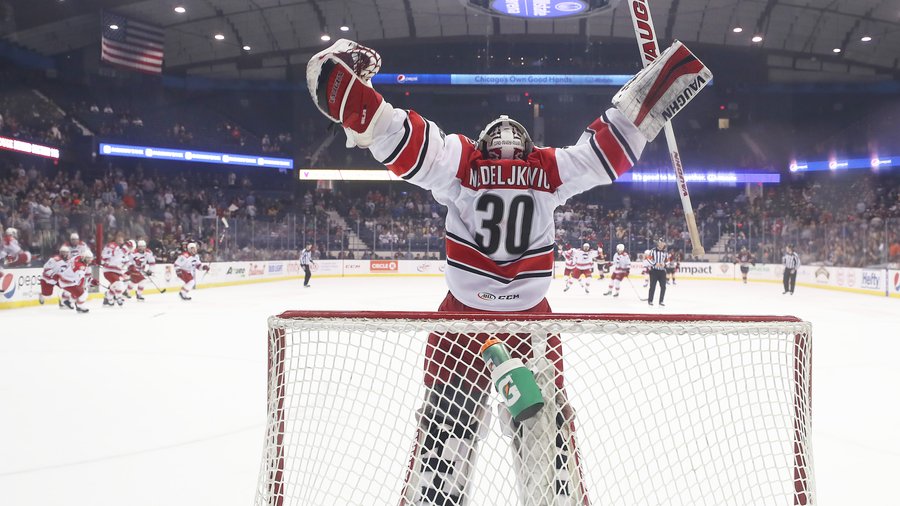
164, 402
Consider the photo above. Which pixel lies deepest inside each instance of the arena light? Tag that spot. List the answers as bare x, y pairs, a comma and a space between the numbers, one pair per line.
345, 28
113, 27
28, 148
246, 48
181, 155
865, 38
180, 10
757, 38
836, 50
219, 36
325, 37
737, 29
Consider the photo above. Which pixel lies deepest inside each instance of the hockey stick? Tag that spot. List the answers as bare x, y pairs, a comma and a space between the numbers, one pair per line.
649, 49
161, 290
643, 299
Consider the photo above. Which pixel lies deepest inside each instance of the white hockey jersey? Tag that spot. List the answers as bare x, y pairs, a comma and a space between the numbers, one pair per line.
621, 262
569, 257
143, 260
78, 250
52, 268
114, 258
584, 260
74, 273
186, 262
500, 227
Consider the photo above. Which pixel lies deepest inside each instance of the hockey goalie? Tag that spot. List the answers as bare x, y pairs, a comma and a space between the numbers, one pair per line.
501, 191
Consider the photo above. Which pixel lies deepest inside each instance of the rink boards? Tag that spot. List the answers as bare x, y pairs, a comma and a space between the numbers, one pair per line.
21, 287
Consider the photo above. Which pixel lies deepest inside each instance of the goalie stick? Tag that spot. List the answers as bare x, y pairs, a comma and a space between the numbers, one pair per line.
645, 34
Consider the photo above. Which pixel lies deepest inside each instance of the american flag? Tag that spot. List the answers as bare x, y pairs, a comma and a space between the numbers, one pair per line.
130, 44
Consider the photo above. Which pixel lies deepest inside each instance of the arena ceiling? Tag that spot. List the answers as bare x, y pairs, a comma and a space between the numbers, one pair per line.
281, 33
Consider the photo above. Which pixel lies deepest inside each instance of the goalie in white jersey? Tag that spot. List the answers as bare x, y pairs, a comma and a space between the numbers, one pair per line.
501, 192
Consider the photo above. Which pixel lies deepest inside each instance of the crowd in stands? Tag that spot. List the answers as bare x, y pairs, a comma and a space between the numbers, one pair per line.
851, 220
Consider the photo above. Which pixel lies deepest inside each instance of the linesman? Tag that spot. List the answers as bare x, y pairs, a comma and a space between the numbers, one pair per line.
791, 263
657, 258
305, 261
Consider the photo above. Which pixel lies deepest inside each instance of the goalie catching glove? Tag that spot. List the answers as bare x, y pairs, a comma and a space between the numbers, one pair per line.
339, 80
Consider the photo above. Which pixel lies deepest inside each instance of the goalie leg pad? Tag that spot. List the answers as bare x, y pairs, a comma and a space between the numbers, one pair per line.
658, 92
450, 425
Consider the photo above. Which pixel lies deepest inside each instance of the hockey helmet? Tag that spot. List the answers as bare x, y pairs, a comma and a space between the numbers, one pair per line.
12, 232
505, 139
192, 247
141, 244
74, 237
660, 243
130, 245
620, 247
586, 246
64, 251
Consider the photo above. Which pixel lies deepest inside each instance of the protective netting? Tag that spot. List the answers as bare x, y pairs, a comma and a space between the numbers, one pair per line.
653, 410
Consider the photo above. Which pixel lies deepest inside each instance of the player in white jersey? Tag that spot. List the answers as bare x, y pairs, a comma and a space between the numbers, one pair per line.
142, 261
77, 246
621, 267
75, 279
114, 261
646, 264
186, 266
584, 267
11, 253
568, 255
50, 277
501, 192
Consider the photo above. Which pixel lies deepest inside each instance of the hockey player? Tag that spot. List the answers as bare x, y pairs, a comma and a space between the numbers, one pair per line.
501, 192
114, 260
568, 255
584, 266
75, 279
746, 259
50, 277
673, 262
646, 263
621, 265
186, 266
12, 254
602, 262
142, 261
77, 246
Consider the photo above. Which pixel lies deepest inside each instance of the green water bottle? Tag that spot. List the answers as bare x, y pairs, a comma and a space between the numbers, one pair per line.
514, 381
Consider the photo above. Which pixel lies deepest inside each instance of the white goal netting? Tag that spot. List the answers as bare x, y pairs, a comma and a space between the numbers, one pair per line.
650, 409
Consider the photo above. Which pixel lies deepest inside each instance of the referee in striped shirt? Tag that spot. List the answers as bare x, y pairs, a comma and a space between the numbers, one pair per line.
305, 260
791, 263
658, 271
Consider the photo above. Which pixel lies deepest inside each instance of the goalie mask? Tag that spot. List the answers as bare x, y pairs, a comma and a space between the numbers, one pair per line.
505, 139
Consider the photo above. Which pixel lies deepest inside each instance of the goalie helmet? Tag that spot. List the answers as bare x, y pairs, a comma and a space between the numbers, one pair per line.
505, 139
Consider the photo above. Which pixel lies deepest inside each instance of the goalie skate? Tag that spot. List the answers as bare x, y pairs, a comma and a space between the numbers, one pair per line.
656, 94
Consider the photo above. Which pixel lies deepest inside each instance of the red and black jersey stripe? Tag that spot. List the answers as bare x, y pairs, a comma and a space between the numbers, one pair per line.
465, 255
408, 157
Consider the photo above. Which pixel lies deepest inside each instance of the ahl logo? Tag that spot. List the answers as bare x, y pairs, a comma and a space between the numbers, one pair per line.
486, 296
7, 287
724, 268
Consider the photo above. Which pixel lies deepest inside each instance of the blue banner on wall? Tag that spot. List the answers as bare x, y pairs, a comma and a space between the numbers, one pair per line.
501, 79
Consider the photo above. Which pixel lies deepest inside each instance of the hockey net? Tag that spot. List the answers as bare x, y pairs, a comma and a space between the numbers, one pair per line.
665, 409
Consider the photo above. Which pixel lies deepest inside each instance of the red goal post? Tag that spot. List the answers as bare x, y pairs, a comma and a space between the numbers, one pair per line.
674, 409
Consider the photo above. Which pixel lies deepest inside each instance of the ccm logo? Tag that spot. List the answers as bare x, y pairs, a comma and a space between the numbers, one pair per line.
382, 266
490, 296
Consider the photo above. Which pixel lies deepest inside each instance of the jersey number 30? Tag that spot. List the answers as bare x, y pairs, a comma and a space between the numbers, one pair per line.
518, 219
